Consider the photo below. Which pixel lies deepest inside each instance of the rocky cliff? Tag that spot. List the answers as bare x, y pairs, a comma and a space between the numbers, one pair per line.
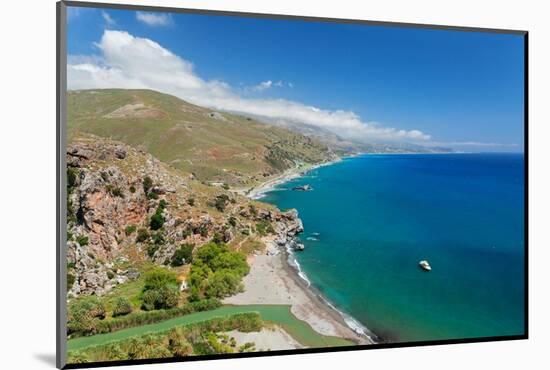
125, 206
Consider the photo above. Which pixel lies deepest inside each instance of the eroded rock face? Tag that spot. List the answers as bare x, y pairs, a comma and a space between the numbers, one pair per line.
104, 206
109, 204
103, 202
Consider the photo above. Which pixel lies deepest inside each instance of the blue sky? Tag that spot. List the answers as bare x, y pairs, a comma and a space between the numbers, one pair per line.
431, 87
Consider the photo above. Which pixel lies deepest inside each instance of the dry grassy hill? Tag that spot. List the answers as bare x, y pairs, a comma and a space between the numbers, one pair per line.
214, 146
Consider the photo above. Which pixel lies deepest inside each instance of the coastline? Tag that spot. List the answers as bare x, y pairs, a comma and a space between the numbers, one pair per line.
259, 191
276, 278
363, 335
272, 280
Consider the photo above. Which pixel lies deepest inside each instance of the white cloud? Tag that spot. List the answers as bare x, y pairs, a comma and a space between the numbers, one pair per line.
109, 21
263, 86
133, 62
269, 84
154, 19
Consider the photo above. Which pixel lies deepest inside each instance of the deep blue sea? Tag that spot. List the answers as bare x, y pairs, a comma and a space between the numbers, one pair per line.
371, 219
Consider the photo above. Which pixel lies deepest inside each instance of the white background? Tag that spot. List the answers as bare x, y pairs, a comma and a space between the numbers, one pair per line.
27, 181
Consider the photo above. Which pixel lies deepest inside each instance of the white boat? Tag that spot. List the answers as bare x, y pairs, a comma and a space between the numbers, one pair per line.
425, 265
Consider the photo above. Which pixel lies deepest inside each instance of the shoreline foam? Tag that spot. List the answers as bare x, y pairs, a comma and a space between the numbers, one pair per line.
272, 280
296, 271
292, 267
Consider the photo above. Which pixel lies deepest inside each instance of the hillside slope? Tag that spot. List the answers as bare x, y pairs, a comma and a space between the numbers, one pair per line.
214, 146
114, 192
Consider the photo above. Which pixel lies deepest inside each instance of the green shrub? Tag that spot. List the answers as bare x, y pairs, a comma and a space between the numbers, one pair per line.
142, 236
152, 195
135, 348
82, 240
216, 272
147, 184
149, 300
70, 280
122, 307
218, 257
220, 202
157, 221
80, 321
223, 283
217, 238
158, 352
184, 254
194, 294
197, 338
71, 177
117, 192
225, 186
158, 238
247, 347
162, 205
191, 201
162, 298
160, 290
113, 352
132, 189
178, 344
92, 305
77, 357
130, 229
159, 278
143, 318
264, 227
110, 274
170, 296
84, 315
152, 249
203, 231
213, 341
232, 221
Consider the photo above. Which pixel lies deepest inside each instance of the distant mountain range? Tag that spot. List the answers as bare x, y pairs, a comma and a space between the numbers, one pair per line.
344, 146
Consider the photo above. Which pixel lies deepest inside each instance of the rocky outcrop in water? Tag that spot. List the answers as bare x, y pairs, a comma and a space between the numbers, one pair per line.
286, 226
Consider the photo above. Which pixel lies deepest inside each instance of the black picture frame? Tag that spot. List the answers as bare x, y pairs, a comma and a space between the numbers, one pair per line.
61, 87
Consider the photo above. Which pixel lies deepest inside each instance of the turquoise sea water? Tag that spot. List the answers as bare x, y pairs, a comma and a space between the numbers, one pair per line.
371, 219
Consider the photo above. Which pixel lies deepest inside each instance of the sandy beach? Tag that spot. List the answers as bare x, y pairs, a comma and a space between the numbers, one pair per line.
292, 173
267, 339
273, 281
